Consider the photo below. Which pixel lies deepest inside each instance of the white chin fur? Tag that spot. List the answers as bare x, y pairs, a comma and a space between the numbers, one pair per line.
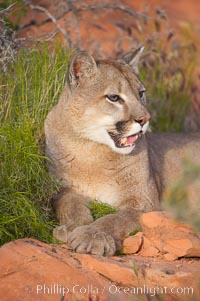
145, 127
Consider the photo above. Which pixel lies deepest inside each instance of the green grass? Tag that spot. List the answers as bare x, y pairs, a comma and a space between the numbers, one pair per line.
168, 78
99, 209
28, 90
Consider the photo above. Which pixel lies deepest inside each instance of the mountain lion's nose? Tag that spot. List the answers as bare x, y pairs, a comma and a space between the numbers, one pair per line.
142, 120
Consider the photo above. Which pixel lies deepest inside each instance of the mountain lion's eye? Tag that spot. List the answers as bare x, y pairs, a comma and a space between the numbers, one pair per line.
141, 93
113, 97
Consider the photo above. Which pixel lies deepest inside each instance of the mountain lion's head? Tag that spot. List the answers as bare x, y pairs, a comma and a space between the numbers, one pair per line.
108, 103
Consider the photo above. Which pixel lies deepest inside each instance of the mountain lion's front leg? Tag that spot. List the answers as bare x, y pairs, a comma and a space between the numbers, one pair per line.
105, 235
72, 212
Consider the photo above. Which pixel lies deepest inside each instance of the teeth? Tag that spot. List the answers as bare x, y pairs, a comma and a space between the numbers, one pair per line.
123, 141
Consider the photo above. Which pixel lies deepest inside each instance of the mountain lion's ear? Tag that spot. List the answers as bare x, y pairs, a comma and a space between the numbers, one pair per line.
82, 66
133, 59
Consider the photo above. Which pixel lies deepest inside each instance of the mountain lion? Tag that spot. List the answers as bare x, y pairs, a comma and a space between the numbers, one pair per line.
99, 148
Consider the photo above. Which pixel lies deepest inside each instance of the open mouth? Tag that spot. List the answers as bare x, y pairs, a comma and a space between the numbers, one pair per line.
128, 141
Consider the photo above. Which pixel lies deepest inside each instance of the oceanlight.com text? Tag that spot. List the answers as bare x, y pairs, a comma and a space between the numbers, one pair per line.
113, 289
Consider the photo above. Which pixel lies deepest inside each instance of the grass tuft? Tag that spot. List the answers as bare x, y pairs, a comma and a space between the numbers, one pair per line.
99, 209
29, 88
168, 77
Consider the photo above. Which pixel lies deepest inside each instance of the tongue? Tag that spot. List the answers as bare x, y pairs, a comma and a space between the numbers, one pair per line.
131, 139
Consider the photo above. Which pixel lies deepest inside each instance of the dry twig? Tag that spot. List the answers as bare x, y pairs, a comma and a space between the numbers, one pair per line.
54, 20
75, 10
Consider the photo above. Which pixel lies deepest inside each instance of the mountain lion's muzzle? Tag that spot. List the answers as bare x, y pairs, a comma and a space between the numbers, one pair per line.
127, 134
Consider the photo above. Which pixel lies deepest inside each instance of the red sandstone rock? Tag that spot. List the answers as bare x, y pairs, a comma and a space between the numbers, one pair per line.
32, 270
170, 256
169, 236
132, 244
163, 236
148, 249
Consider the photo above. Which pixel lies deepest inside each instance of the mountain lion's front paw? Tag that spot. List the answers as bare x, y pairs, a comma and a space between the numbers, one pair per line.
85, 239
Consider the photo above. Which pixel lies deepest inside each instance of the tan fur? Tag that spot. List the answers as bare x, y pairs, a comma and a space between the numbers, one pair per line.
89, 165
